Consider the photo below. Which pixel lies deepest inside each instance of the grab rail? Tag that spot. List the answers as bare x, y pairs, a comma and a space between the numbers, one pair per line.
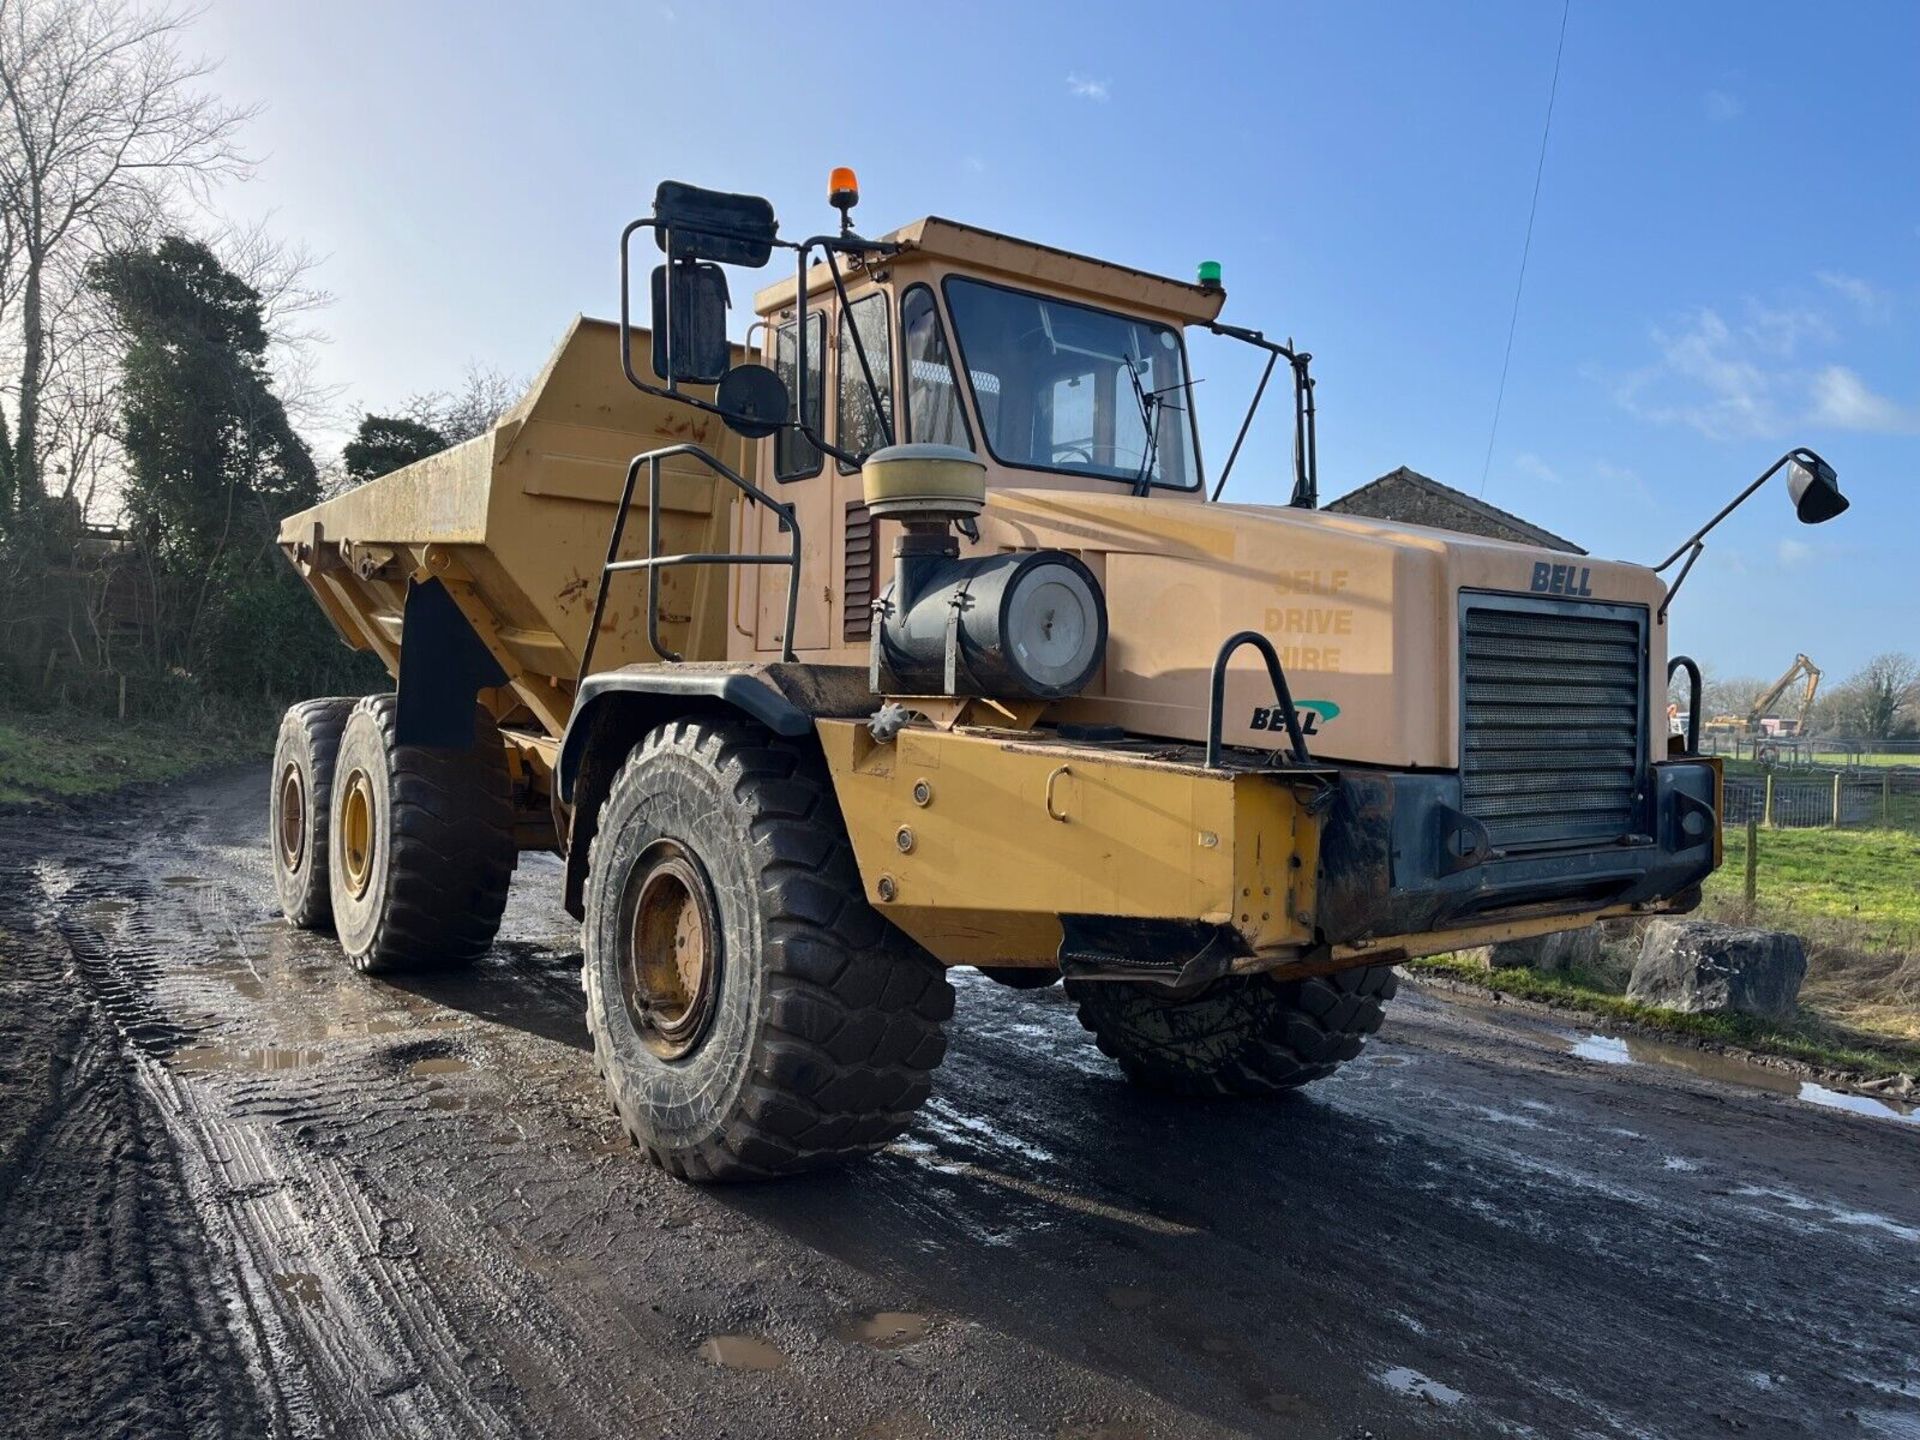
654, 562
1686, 662
1216, 699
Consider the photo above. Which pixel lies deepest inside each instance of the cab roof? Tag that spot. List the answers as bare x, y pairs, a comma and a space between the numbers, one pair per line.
986, 252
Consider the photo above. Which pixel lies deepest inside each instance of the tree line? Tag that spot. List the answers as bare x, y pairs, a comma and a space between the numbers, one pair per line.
1878, 702
156, 362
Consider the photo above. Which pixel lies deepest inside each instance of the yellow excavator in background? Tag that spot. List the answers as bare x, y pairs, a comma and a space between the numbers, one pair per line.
1768, 737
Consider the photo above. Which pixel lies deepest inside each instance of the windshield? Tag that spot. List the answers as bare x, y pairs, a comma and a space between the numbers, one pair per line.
1066, 387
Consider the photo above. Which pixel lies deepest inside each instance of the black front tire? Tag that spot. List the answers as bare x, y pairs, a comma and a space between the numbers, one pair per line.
421, 845
815, 1031
298, 805
1244, 1035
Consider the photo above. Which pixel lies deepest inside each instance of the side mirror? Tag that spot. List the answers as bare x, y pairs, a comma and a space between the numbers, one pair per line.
691, 223
690, 307
753, 401
1815, 489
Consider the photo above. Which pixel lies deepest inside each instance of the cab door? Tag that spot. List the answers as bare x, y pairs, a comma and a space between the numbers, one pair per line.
838, 559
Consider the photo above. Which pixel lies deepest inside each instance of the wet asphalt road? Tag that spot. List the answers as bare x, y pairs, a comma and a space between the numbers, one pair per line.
246, 1192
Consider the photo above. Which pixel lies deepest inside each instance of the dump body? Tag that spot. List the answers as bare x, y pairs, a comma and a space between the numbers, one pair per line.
515, 524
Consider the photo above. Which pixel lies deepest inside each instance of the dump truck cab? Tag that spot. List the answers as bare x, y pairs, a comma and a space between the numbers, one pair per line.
913, 633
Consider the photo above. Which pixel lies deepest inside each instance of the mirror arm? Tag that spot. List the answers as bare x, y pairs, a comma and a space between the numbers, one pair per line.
829, 244
860, 352
1306, 460
1693, 550
1693, 541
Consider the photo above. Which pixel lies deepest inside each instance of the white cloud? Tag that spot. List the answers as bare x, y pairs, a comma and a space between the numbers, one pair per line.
1085, 87
1870, 300
1842, 399
1748, 380
1795, 552
1722, 107
1534, 468
1703, 380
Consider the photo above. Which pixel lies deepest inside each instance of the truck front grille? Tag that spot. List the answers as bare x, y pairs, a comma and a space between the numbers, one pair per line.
1552, 719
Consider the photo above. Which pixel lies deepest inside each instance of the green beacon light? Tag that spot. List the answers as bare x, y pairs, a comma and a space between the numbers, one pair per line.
1209, 274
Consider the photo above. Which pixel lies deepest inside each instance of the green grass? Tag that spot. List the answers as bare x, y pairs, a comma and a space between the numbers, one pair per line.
1860, 886
63, 755
1812, 1040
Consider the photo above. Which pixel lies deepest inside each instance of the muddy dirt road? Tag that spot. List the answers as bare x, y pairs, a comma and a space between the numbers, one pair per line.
245, 1192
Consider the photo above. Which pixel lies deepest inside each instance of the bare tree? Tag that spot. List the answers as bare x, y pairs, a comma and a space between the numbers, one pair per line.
104, 122
1729, 696
483, 395
1880, 696
282, 271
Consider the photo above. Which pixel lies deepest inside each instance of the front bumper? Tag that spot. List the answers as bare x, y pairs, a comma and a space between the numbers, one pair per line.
1398, 857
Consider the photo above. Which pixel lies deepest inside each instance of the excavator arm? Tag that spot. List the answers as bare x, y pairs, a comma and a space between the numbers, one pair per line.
1801, 666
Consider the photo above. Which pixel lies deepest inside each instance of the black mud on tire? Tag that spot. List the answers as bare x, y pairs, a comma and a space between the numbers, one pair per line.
1246, 1035
439, 846
298, 805
826, 1022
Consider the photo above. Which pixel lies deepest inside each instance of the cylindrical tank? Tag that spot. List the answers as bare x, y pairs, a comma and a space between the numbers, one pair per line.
1029, 624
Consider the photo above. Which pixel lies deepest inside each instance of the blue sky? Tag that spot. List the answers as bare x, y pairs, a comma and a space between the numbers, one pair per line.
1726, 259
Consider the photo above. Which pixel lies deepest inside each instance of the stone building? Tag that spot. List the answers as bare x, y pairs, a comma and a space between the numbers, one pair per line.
1414, 499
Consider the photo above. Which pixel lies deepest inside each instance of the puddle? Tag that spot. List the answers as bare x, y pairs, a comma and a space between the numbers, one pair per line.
1637, 1050
1415, 1386
885, 1330
300, 1286
245, 983
185, 882
1389, 1061
742, 1352
105, 913
438, 1065
204, 1058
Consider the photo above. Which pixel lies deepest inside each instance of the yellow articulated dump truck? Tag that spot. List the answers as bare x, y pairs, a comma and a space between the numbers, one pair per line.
909, 635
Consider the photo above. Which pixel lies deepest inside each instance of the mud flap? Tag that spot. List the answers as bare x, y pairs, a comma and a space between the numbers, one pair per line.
443, 668
1179, 954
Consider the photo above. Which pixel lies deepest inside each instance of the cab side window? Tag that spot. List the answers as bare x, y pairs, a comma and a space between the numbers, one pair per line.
934, 414
859, 430
795, 456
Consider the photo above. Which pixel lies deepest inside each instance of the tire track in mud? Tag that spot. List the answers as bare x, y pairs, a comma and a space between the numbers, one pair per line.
342, 1332
112, 1319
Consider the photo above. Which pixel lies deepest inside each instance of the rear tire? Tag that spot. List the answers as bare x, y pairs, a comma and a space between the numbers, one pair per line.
751, 1013
298, 808
1245, 1035
421, 845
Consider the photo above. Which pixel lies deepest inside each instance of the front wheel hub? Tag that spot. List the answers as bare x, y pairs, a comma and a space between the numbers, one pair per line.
669, 950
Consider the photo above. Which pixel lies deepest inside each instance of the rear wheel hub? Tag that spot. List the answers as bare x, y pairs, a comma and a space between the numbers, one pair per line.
293, 817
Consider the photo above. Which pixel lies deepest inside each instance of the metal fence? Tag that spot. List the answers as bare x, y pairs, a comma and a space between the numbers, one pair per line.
1801, 800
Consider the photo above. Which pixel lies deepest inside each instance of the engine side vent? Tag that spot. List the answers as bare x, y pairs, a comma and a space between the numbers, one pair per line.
1553, 720
856, 624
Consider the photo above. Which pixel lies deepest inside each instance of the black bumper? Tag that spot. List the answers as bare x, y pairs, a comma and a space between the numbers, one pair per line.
1398, 856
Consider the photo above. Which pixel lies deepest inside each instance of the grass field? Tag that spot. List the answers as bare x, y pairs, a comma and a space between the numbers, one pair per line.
64, 755
1818, 1037
1854, 897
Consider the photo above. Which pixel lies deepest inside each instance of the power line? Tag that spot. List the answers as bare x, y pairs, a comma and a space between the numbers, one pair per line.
1513, 321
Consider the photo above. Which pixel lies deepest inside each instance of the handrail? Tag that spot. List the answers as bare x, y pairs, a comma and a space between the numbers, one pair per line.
654, 562
1686, 662
1216, 700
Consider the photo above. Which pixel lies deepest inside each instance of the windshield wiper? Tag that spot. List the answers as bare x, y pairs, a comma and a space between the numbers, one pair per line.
1149, 418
